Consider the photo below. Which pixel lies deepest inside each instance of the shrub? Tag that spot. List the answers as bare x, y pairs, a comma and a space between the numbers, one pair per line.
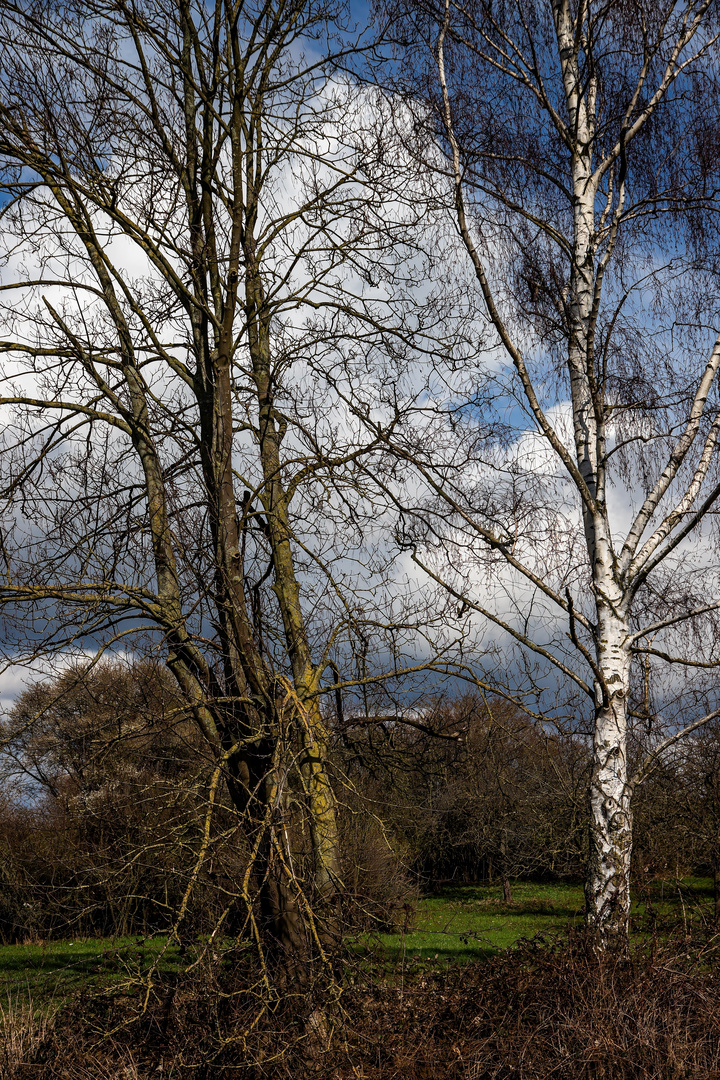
544, 1009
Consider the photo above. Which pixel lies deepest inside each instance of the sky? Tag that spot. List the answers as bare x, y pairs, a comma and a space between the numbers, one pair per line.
521, 457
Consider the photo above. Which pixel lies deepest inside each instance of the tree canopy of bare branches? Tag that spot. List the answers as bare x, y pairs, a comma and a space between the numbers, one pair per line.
577, 144
188, 230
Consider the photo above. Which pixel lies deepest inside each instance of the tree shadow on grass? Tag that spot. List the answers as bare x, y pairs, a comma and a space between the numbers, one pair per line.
471, 949
565, 905
62, 966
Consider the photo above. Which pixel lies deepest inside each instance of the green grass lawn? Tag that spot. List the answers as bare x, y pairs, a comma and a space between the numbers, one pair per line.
56, 969
458, 924
469, 922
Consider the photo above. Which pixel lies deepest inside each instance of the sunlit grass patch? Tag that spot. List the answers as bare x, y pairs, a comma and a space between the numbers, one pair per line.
463, 923
458, 924
55, 969
469, 922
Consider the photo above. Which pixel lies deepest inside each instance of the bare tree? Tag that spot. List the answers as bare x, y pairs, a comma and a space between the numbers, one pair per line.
475, 789
183, 186
572, 487
110, 807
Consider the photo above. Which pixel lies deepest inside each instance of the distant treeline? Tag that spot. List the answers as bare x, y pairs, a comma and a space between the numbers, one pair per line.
107, 826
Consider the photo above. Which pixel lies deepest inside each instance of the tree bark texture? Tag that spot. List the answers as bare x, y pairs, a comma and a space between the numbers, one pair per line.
207, 144
585, 180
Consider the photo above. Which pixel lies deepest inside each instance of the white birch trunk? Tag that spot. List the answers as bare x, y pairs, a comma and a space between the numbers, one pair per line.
597, 167
610, 839
607, 889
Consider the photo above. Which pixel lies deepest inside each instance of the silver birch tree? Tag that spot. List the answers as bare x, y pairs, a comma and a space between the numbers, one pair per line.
575, 139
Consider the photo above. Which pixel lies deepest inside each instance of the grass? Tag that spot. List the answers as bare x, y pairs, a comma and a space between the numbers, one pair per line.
470, 922
464, 923
458, 924
56, 969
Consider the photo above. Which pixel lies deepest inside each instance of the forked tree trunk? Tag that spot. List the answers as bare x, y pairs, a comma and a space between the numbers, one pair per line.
319, 795
254, 786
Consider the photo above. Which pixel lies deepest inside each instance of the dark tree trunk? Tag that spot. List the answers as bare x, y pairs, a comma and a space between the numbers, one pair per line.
507, 892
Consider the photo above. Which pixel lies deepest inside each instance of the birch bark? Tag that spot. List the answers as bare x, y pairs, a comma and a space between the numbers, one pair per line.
562, 67
607, 890
610, 822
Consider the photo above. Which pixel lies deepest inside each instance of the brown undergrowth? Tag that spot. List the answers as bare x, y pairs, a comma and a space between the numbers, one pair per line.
546, 1008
